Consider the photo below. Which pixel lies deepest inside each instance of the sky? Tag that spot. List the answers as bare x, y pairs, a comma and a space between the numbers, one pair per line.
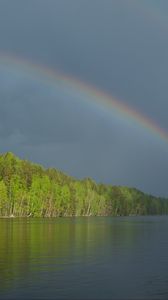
119, 47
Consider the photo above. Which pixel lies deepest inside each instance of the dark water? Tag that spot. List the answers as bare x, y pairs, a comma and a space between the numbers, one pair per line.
84, 258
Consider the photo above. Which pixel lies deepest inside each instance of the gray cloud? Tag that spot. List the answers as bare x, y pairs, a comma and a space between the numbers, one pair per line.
111, 44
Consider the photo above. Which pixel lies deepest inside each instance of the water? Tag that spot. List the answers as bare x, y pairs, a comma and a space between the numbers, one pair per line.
84, 258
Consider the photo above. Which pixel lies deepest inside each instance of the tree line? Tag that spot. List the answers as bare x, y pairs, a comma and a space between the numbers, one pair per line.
29, 190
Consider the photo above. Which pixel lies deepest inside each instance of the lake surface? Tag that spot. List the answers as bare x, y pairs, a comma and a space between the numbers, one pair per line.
84, 258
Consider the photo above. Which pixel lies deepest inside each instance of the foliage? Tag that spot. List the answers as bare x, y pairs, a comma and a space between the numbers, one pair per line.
27, 189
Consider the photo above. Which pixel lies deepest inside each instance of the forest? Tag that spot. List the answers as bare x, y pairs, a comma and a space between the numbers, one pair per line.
29, 190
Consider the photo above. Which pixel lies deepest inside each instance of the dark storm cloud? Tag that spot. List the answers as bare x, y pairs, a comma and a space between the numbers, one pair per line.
43, 115
112, 44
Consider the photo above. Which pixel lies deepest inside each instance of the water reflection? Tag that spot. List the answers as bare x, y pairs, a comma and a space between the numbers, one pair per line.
83, 257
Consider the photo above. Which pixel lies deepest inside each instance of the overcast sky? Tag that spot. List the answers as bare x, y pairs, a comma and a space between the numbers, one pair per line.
119, 46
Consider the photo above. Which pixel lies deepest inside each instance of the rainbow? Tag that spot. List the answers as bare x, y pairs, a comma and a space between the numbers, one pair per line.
90, 93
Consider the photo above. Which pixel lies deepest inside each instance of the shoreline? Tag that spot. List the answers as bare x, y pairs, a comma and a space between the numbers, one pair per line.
61, 217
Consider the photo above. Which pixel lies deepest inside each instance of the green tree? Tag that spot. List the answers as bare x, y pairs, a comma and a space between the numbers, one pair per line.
3, 199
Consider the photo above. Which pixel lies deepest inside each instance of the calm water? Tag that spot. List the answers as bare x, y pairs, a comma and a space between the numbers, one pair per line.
84, 258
